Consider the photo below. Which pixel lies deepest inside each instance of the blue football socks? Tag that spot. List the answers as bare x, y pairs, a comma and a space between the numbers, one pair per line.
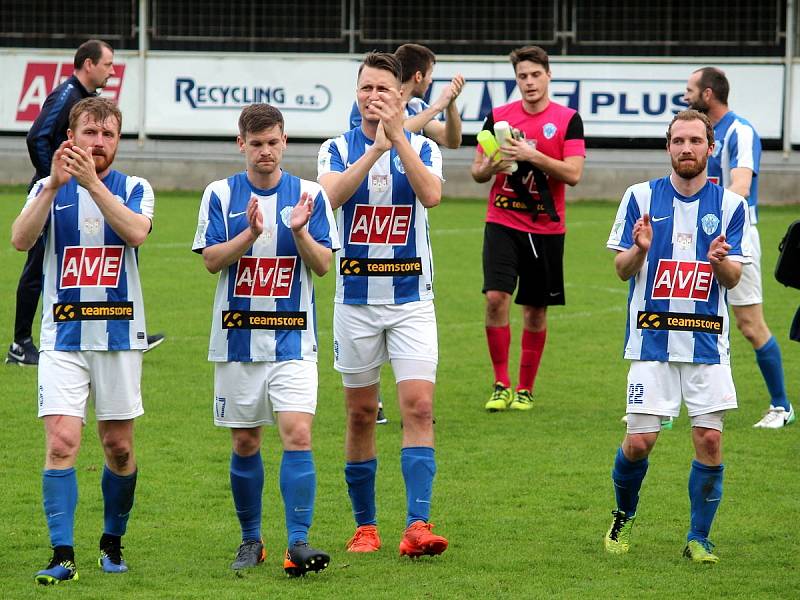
247, 485
60, 497
419, 468
360, 478
705, 493
298, 488
769, 361
118, 492
628, 476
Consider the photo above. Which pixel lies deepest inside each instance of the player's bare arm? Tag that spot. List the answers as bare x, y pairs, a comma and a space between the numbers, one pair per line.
219, 256
741, 178
29, 224
727, 272
447, 133
485, 167
314, 254
426, 186
130, 226
424, 119
629, 262
568, 170
340, 186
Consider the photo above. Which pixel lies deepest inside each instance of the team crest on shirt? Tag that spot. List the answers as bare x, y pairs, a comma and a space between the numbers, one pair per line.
379, 183
549, 130
286, 215
398, 164
710, 223
269, 232
91, 226
684, 240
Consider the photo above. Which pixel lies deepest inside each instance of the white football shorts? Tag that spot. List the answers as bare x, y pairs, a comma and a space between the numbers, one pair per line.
247, 393
748, 290
366, 336
656, 388
111, 379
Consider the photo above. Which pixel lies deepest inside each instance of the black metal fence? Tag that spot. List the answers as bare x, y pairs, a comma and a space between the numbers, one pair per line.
666, 28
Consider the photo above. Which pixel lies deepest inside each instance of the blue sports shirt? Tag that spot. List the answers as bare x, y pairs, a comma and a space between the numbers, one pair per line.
677, 310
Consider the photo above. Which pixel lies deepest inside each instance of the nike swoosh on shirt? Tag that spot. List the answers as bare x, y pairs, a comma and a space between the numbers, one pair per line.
657, 219
232, 215
63, 206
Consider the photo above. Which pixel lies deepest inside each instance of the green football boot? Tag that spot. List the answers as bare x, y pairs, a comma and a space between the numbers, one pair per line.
618, 538
500, 399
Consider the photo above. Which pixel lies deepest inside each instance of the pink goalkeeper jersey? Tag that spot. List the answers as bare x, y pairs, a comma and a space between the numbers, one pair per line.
558, 132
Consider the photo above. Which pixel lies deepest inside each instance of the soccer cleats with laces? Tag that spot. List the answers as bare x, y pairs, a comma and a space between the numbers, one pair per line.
365, 539
776, 417
302, 558
700, 552
618, 538
61, 568
523, 400
250, 554
500, 399
111, 560
419, 540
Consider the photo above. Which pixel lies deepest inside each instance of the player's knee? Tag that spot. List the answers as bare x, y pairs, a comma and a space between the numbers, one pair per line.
245, 442
497, 303
61, 445
361, 416
297, 436
418, 408
535, 318
638, 446
707, 441
119, 451
747, 328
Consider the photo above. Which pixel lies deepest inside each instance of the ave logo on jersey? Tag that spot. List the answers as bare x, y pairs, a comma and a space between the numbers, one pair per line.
91, 266
382, 225
264, 277
686, 279
41, 78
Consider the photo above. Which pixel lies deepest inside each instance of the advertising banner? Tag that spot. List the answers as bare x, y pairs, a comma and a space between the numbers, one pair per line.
29, 78
202, 94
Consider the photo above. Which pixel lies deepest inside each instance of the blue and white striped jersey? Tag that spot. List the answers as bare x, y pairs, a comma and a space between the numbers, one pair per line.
677, 310
386, 252
91, 293
737, 145
264, 307
413, 107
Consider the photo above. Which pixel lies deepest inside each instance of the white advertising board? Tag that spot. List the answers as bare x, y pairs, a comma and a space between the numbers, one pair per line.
29, 77
202, 94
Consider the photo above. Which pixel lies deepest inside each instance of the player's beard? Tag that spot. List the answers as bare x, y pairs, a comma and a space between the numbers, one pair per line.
699, 105
103, 161
689, 170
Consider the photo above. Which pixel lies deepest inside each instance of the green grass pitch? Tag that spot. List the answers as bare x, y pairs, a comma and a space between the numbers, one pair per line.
524, 499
